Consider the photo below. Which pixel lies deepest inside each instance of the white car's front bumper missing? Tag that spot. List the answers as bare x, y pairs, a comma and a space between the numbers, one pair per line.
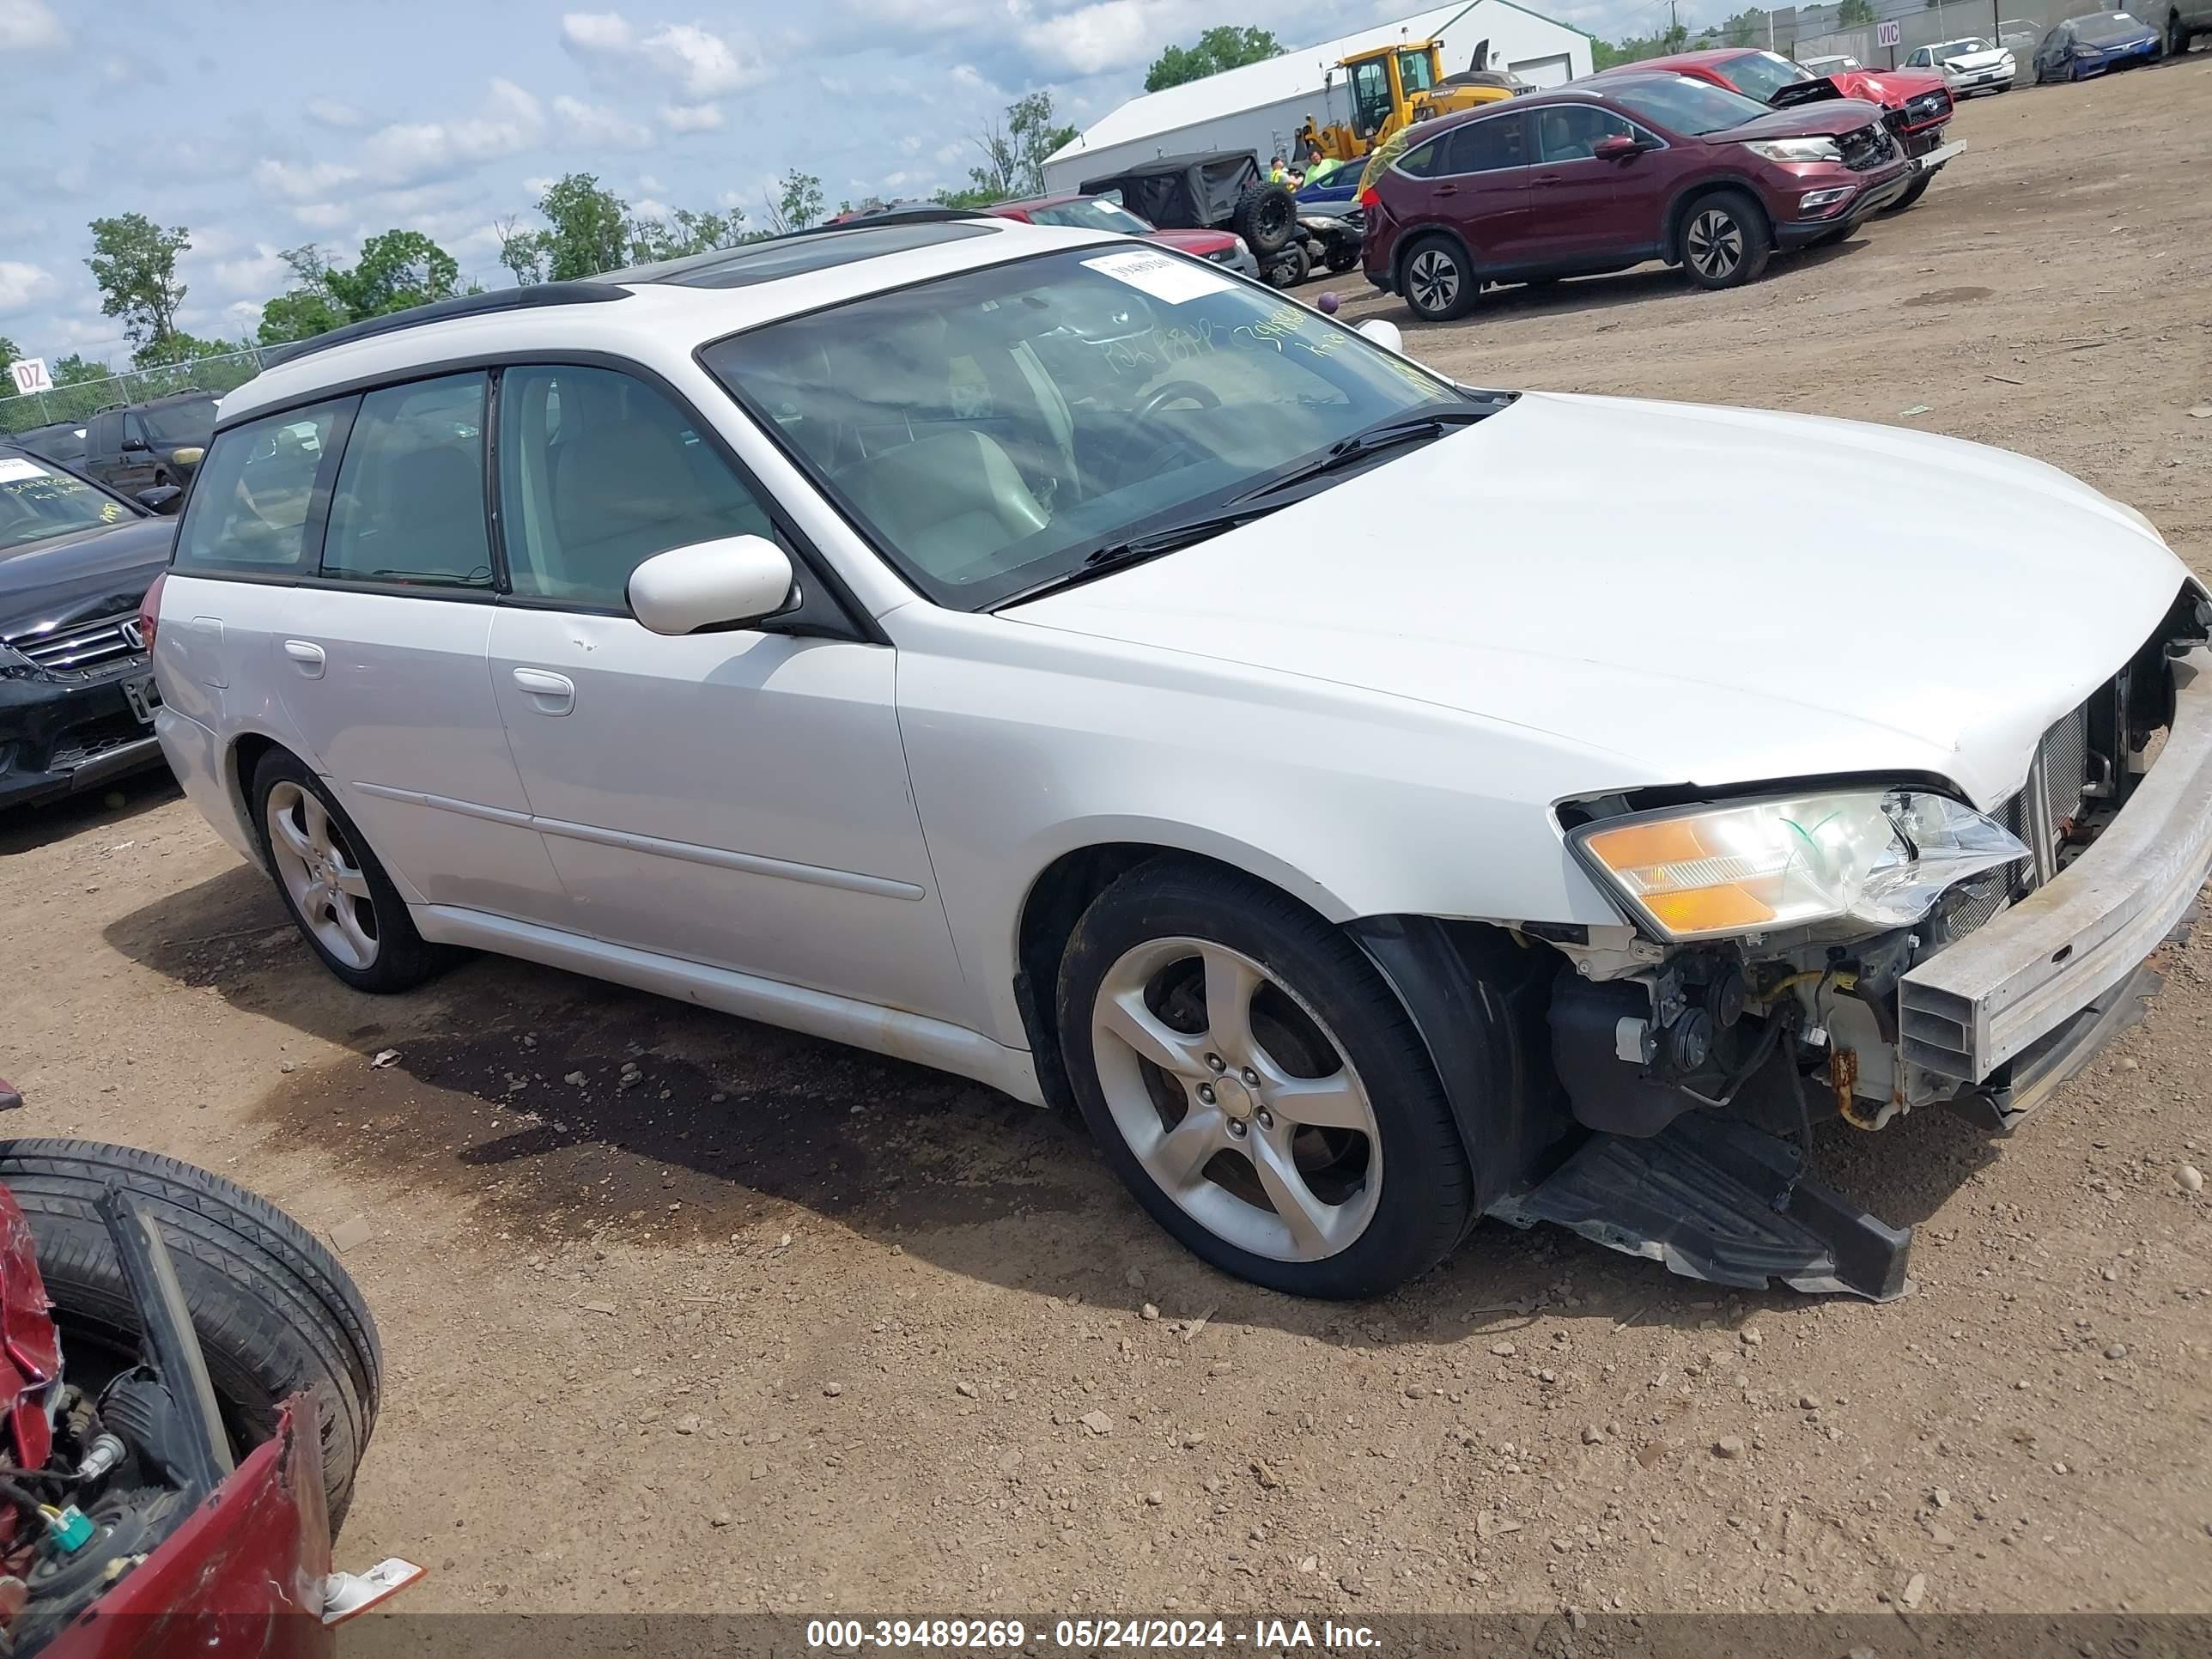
1986, 1000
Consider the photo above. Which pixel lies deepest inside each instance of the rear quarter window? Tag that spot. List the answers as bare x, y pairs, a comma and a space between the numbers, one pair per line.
249, 510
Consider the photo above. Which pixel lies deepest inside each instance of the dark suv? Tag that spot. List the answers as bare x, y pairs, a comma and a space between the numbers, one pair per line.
1656, 167
157, 444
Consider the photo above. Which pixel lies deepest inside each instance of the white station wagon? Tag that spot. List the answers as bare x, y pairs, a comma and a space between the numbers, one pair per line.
1375, 802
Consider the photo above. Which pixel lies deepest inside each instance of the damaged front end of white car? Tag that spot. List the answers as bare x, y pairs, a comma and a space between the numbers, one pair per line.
1857, 948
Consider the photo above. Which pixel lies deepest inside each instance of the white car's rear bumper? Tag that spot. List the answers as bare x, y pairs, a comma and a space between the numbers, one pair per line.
1989, 997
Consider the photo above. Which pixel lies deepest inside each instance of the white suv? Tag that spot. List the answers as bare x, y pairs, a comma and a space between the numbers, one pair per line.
1056, 660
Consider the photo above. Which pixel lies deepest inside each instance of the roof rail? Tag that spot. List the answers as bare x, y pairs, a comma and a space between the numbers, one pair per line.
438, 311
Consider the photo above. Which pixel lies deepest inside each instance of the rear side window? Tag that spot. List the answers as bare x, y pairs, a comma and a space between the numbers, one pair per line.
408, 504
1484, 146
1423, 161
249, 506
598, 472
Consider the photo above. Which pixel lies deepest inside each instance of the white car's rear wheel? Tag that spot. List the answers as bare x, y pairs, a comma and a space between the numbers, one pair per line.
1258, 1087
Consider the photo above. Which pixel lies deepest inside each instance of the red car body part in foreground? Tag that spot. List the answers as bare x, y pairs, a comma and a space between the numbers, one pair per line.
245, 1573
1601, 176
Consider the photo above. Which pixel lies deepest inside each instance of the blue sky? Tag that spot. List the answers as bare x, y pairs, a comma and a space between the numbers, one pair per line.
262, 125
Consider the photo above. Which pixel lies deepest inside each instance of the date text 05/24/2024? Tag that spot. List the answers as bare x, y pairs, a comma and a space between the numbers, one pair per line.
1090, 1635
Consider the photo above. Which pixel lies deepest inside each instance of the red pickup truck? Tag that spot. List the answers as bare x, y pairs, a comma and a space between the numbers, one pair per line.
1915, 104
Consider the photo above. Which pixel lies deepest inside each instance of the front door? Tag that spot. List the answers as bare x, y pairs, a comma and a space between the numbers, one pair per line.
380, 658
1583, 209
738, 798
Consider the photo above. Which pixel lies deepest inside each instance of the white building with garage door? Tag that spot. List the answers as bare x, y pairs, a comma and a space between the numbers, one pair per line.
1260, 107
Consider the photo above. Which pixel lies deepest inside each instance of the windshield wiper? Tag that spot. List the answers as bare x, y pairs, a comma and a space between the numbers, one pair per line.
1344, 452
1135, 550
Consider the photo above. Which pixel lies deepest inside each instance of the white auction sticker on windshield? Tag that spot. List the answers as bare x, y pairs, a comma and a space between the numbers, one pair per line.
1171, 280
14, 469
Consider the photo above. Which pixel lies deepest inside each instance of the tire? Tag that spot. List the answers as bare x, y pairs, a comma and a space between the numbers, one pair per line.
275, 1313
372, 943
1289, 268
2177, 38
1374, 1205
1439, 282
1266, 217
1913, 192
1342, 256
1724, 240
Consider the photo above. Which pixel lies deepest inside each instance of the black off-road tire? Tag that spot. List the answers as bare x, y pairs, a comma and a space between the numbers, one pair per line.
1266, 217
1913, 192
1342, 255
275, 1313
1425, 1204
1434, 295
1289, 267
2177, 38
403, 958
1745, 221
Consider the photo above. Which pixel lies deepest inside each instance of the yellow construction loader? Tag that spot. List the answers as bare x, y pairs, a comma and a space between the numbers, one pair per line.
1392, 87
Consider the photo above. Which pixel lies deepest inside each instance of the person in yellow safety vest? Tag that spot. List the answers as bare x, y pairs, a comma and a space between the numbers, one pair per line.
1277, 174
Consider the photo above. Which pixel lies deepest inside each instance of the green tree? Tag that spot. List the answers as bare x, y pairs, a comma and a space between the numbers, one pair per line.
682, 234
971, 198
1748, 28
74, 370
399, 269
177, 347
590, 229
1222, 47
1855, 14
797, 204
521, 249
1605, 54
1014, 156
134, 261
9, 352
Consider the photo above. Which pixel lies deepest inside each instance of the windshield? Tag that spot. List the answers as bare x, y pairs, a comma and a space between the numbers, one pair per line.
2107, 28
1683, 105
191, 422
1820, 66
1762, 73
990, 431
1091, 214
1951, 49
39, 502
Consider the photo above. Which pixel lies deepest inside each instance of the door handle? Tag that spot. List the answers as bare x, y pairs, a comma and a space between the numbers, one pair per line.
549, 693
1447, 190
307, 655
1547, 177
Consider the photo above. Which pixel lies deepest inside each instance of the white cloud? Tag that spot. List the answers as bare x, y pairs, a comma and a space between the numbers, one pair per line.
649, 209
696, 62
321, 215
19, 284
409, 152
30, 26
692, 117
262, 272
588, 123
331, 112
298, 180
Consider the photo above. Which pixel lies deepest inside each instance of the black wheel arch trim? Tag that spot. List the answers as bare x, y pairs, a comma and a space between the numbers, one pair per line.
1479, 1003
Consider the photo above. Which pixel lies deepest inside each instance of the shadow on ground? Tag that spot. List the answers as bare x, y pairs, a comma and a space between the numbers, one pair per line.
112, 807
562, 1108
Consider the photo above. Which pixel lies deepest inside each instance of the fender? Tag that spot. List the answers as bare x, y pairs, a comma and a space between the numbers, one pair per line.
1478, 1000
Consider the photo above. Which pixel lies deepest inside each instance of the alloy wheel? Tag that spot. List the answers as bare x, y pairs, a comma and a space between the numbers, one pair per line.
1715, 243
1433, 280
1237, 1099
321, 874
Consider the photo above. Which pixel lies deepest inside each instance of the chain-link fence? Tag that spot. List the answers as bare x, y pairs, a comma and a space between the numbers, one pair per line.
79, 399
2017, 25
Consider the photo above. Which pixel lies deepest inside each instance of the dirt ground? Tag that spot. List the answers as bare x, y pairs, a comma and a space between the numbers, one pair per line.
782, 1326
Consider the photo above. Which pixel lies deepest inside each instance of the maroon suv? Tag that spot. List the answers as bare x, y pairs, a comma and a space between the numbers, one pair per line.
1589, 179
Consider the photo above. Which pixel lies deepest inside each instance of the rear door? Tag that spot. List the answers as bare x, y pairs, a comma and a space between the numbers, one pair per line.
380, 657
1582, 211
1471, 178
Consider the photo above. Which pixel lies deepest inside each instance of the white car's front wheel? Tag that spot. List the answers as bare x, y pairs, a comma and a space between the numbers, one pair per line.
1257, 1086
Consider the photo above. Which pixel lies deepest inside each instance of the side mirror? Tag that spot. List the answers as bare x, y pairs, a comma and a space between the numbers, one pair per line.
1384, 333
1616, 147
164, 499
719, 584
136, 446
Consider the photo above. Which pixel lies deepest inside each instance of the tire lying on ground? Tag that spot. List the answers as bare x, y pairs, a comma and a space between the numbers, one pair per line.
275, 1313
1267, 216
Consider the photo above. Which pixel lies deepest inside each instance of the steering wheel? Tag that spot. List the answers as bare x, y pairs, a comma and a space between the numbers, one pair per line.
1173, 392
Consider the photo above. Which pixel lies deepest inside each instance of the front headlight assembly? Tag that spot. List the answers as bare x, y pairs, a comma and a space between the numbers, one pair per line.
1847, 862
1794, 149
